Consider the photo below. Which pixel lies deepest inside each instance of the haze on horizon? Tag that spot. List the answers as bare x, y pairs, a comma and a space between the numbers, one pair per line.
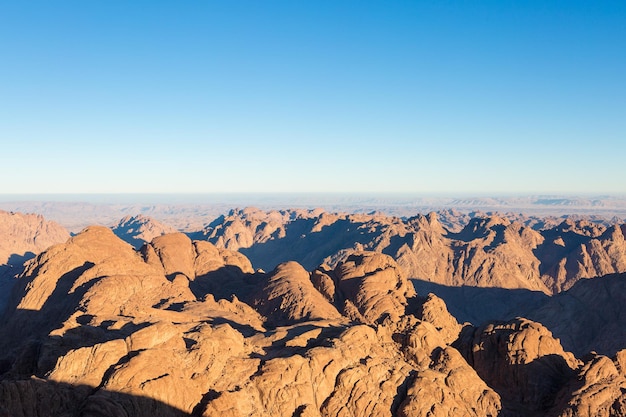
409, 97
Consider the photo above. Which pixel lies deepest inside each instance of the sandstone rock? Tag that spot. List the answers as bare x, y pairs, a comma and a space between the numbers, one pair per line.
449, 387
433, 310
488, 251
599, 391
375, 285
589, 316
521, 361
98, 327
289, 296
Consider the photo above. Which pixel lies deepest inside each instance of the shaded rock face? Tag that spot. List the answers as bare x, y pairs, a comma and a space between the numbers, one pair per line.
289, 296
590, 316
479, 250
521, 361
599, 390
182, 327
576, 250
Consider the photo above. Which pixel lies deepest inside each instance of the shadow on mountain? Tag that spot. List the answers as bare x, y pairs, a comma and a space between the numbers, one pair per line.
37, 351
8, 271
224, 282
557, 245
307, 247
17, 259
589, 316
31, 324
37, 398
530, 389
478, 305
24, 389
29, 350
300, 338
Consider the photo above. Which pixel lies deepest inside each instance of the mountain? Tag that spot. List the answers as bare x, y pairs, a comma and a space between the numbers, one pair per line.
183, 327
139, 229
477, 249
22, 236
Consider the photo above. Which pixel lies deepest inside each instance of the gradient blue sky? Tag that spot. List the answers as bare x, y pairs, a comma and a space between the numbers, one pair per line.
231, 96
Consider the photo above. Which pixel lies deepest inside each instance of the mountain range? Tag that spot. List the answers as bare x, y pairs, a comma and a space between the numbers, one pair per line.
310, 313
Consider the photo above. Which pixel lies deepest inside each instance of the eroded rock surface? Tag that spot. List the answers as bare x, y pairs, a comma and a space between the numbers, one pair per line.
183, 327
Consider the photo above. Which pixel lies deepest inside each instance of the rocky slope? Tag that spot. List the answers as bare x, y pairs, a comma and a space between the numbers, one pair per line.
183, 327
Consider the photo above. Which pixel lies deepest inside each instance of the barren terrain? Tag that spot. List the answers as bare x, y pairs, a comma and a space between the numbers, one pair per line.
309, 312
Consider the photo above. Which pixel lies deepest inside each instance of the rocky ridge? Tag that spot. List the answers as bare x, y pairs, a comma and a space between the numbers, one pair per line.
488, 251
183, 327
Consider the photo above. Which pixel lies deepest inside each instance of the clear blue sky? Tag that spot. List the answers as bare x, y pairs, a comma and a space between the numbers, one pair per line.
403, 96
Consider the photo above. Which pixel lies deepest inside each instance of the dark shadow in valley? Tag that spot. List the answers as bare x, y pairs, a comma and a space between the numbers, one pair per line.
530, 389
589, 316
557, 245
26, 345
477, 228
225, 282
308, 248
478, 305
245, 329
8, 271
17, 259
25, 324
396, 242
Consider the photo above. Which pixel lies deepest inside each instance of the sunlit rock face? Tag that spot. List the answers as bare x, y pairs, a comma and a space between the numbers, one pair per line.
184, 327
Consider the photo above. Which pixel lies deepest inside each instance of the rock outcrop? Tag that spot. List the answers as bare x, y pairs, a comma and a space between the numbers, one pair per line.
590, 316
598, 391
521, 361
374, 285
289, 297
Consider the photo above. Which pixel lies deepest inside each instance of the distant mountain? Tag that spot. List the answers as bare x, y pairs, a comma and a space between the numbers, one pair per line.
479, 249
189, 212
139, 229
22, 236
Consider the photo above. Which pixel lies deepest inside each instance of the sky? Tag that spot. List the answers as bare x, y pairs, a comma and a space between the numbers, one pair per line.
434, 97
